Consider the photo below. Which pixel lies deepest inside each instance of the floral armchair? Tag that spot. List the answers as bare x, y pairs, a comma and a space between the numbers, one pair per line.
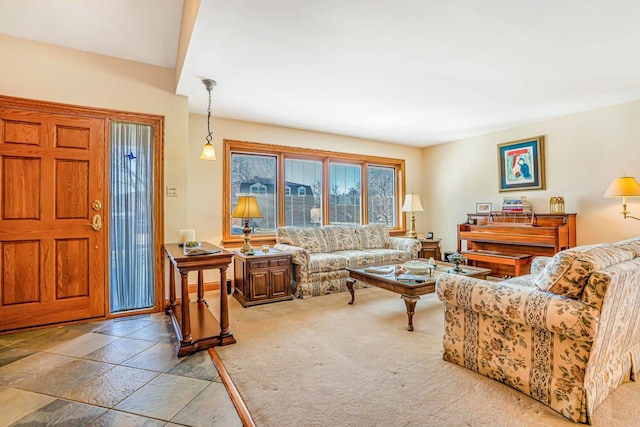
567, 335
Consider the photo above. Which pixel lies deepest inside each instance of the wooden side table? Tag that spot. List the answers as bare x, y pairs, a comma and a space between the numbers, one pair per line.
430, 248
262, 277
195, 326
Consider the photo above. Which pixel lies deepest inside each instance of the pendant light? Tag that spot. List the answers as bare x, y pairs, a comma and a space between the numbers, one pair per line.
208, 151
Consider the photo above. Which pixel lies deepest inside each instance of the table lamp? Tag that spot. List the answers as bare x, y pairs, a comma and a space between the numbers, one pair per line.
247, 208
624, 186
412, 204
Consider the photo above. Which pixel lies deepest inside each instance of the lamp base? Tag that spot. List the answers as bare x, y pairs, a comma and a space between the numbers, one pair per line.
411, 234
246, 247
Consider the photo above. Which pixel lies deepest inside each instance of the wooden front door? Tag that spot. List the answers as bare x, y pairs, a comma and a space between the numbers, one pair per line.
52, 260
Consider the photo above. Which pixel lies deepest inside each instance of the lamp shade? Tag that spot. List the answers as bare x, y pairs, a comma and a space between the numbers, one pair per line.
625, 186
247, 207
412, 203
208, 152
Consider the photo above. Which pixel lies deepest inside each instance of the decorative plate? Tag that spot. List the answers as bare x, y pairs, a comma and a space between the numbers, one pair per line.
416, 266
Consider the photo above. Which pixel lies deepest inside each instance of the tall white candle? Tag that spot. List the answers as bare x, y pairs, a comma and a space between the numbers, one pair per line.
187, 235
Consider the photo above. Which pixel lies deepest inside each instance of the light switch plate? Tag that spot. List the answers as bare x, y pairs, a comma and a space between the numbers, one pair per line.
172, 191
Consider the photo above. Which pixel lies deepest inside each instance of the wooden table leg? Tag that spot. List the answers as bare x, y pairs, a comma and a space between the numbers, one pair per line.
186, 319
172, 289
200, 286
411, 306
224, 307
350, 283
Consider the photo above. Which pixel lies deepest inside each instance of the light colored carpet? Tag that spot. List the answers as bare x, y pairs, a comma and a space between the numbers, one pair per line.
322, 362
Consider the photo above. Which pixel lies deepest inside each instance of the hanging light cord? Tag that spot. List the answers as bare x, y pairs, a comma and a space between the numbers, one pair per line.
209, 84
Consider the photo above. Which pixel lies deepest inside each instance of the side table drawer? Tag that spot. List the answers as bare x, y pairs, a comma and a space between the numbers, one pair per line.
279, 262
259, 263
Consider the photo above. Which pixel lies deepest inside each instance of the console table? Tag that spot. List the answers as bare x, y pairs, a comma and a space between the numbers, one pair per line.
195, 326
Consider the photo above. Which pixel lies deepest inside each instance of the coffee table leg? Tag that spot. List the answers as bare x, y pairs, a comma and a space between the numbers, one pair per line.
411, 306
350, 283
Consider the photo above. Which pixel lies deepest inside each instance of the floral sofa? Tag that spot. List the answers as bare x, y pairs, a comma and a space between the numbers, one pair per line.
567, 334
321, 255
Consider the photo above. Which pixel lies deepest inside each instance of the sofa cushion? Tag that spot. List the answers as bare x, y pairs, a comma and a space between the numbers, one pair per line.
557, 268
360, 258
341, 237
322, 262
390, 255
374, 236
311, 239
568, 271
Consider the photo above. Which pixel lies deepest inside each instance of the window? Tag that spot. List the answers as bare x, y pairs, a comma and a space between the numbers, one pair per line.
257, 188
344, 182
382, 200
305, 177
308, 188
255, 175
131, 262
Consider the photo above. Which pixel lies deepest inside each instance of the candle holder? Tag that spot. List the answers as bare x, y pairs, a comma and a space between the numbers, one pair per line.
457, 258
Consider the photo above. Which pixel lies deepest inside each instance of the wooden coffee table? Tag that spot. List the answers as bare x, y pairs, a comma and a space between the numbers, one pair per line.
409, 291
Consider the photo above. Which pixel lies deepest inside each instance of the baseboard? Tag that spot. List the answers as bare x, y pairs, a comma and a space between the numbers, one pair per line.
193, 288
238, 403
211, 286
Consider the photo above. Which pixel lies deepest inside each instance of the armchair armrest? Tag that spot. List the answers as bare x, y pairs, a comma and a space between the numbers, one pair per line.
523, 305
300, 257
407, 245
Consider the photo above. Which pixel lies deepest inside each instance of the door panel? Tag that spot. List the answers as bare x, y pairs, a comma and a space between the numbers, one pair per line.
21, 199
21, 133
20, 263
51, 169
73, 137
72, 268
72, 189
260, 284
280, 282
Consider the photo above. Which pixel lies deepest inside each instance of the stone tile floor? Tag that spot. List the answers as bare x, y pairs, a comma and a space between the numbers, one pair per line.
119, 372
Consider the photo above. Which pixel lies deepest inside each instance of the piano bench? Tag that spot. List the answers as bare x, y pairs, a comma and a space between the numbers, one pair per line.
517, 261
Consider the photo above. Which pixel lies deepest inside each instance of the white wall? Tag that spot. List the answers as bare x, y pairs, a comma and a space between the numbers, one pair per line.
584, 153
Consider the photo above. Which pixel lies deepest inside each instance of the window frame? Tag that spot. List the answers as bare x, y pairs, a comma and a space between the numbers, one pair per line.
281, 153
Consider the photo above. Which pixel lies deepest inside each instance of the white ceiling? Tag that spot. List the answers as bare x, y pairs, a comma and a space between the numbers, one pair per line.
416, 72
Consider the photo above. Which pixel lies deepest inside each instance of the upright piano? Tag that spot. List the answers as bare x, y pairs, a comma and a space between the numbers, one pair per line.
501, 241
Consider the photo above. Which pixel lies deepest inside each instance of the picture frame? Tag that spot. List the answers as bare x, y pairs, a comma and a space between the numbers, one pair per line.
521, 165
430, 235
484, 207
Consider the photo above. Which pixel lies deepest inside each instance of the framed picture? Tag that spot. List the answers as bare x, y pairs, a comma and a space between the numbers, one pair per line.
430, 235
521, 164
483, 207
